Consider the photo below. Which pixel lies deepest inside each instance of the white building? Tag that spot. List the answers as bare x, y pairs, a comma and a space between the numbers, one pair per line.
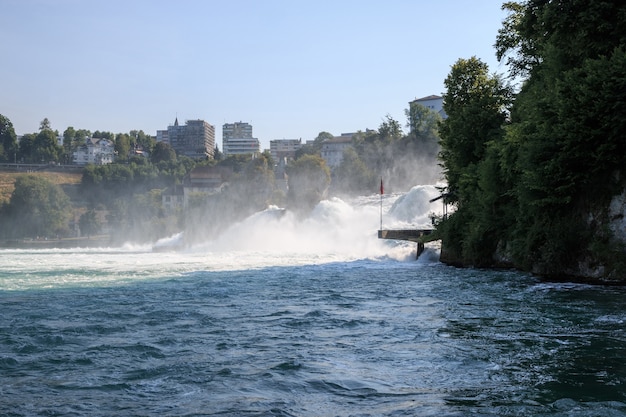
432, 102
332, 149
95, 151
237, 139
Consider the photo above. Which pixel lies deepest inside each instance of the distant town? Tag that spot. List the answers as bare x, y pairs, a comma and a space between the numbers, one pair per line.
136, 186
196, 139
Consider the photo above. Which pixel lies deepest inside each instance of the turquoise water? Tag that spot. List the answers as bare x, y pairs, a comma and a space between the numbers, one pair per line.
307, 317
368, 337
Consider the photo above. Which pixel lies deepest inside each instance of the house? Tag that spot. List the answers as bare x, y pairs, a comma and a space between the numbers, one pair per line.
94, 151
205, 180
173, 199
332, 149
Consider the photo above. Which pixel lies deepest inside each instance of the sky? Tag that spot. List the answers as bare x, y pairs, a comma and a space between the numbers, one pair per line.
290, 68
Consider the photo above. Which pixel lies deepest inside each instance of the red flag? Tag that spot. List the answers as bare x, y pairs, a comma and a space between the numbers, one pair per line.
381, 187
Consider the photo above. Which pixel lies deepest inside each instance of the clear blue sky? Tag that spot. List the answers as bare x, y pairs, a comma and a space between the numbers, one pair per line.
291, 68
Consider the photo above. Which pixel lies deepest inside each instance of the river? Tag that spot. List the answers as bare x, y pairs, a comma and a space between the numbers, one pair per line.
315, 318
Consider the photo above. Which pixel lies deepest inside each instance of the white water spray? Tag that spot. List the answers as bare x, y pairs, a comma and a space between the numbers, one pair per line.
336, 230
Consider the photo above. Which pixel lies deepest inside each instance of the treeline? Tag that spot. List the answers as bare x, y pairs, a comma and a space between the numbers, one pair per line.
125, 198
533, 172
43, 147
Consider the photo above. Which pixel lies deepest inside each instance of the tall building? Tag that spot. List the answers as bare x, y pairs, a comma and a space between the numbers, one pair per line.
195, 139
284, 149
237, 139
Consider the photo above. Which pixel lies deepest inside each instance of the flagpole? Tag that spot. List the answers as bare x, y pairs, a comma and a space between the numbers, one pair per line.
381, 203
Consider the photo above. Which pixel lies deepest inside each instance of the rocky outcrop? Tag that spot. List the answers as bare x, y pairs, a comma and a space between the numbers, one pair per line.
617, 217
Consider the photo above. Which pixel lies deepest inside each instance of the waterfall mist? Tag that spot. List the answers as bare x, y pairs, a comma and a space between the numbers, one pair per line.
335, 230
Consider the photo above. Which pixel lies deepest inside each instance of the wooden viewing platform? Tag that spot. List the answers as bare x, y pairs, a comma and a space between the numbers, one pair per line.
412, 235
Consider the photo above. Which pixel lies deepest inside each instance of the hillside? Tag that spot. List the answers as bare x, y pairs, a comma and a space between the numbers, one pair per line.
7, 181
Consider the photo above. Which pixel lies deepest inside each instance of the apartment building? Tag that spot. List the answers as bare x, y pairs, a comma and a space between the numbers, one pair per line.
284, 149
195, 139
237, 139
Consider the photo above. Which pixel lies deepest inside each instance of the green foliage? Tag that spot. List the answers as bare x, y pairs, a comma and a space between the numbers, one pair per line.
309, 178
89, 223
45, 124
122, 147
475, 103
45, 148
142, 140
471, 143
103, 184
26, 152
37, 208
423, 125
535, 183
8, 140
352, 176
249, 189
406, 160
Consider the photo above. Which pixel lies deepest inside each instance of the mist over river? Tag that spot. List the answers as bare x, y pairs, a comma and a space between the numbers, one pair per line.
314, 317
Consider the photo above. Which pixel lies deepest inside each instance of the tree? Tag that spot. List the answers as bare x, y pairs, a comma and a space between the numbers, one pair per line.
352, 176
378, 149
321, 137
308, 181
45, 124
26, 150
162, 152
81, 136
103, 135
38, 207
217, 154
69, 136
8, 141
45, 148
89, 223
315, 147
122, 146
568, 127
423, 124
516, 40
476, 104
390, 130
143, 141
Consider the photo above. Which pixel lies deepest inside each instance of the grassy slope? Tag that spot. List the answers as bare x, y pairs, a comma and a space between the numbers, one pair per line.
7, 181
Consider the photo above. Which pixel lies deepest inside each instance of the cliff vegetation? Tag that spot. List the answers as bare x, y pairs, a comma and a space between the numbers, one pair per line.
535, 164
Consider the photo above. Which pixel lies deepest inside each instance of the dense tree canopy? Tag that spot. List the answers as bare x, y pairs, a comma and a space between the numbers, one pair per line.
309, 178
37, 208
537, 184
162, 152
475, 103
8, 140
89, 223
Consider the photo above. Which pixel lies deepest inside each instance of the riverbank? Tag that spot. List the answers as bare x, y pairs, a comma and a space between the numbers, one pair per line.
98, 241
